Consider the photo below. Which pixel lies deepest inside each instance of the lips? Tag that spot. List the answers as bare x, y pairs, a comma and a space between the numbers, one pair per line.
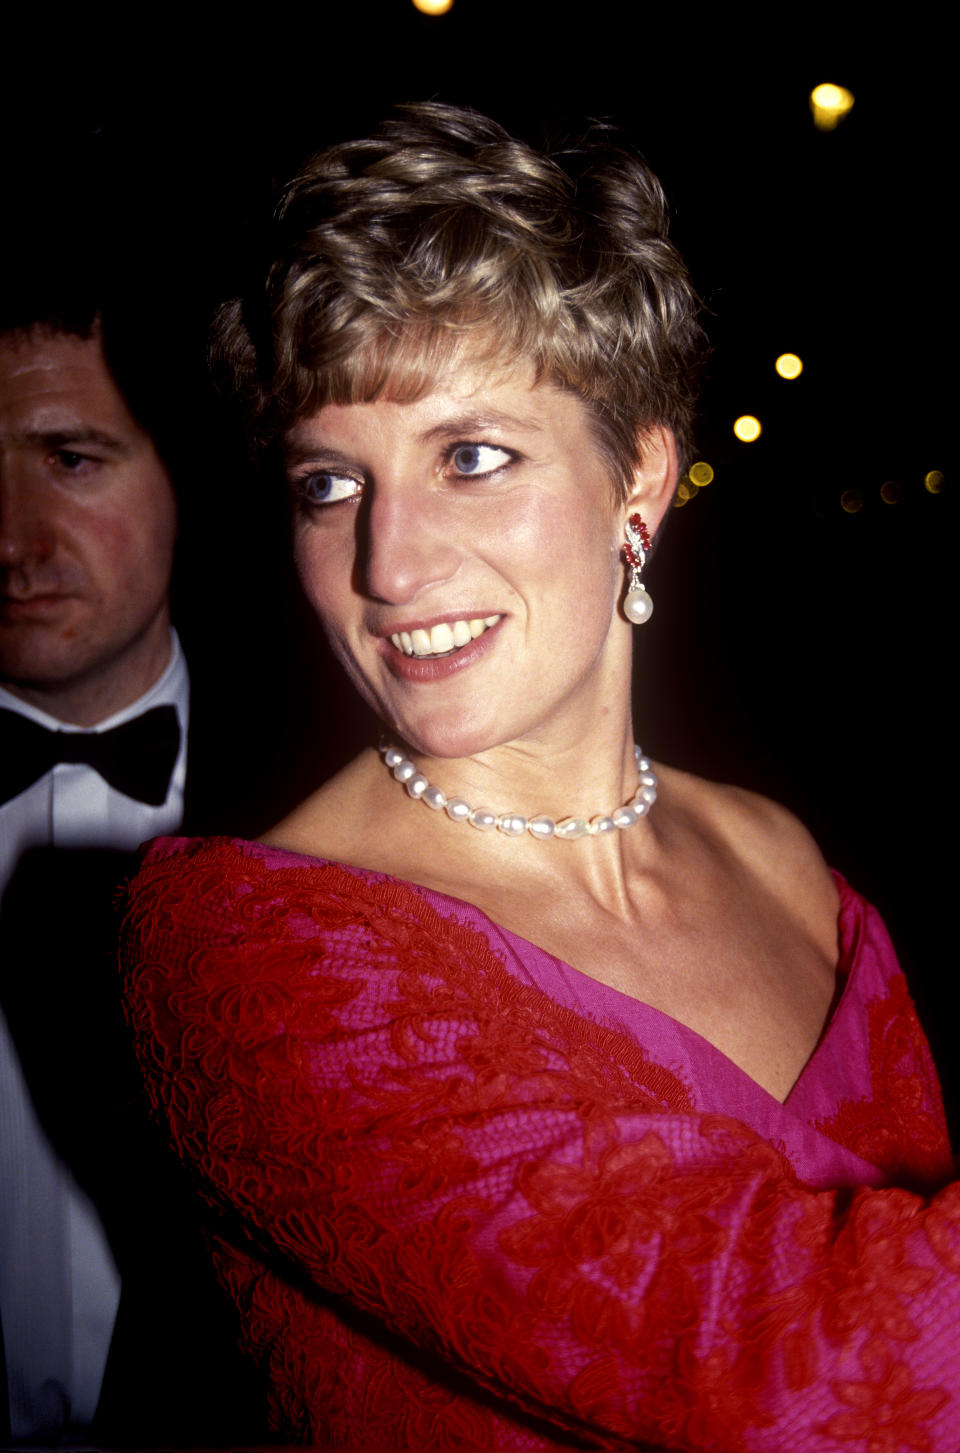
443, 639
16, 607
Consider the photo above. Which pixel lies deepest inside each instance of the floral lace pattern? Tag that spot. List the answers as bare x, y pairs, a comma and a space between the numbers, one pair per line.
899, 1125
454, 1214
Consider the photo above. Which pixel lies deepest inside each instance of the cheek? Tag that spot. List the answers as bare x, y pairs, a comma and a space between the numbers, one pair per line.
324, 571
128, 548
309, 569
147, 555
325, 575
116, 554
571, 550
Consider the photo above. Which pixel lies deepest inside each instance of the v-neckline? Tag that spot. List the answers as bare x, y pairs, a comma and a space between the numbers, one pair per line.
619, 1006
611, 1003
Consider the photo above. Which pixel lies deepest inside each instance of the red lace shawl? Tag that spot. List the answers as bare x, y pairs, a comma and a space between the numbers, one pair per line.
454, 1210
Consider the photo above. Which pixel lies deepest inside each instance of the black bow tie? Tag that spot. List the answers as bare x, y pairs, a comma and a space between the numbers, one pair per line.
137, 758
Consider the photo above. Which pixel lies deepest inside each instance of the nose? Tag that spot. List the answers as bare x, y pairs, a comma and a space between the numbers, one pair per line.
408, 544
25, 535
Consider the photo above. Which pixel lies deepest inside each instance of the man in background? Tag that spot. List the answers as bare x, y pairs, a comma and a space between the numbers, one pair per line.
94, 717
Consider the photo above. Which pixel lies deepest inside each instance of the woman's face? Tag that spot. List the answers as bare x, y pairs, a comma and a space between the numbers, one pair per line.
462, 552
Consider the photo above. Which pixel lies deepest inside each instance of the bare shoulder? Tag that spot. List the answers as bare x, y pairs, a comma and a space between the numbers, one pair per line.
296, 833
762, 839
318, 825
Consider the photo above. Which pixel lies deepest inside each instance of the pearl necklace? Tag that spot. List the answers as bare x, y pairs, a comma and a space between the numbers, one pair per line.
511, 824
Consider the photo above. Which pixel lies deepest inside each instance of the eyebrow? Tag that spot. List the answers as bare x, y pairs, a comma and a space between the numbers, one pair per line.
64, 438
294, 454
457, 427
478, 423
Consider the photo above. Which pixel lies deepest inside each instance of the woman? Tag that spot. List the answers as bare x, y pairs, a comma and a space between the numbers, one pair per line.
573, 1121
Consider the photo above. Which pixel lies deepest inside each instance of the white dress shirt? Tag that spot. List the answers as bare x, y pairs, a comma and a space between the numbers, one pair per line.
59, 1285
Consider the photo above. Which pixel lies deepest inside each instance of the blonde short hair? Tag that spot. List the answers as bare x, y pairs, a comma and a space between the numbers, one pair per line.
386, 252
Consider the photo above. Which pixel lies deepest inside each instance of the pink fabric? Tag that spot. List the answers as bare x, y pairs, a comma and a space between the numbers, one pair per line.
839, 1069
473, 1197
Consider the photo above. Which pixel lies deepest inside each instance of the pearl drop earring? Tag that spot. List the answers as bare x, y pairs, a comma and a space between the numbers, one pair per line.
637, 605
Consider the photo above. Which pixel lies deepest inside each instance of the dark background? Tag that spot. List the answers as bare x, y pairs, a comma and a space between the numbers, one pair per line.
797, 648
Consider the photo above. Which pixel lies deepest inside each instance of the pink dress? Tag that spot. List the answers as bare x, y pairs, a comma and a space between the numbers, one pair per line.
465, 1196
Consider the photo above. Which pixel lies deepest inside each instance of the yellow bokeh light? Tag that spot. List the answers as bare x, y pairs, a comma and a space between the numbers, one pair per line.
851, 500
684, 494
890, 492
829, 104
934, 481
433, 7
701, 473
747, 428
788, 365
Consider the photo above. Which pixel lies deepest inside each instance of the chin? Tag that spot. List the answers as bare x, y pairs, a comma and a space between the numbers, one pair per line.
428, 742
36, 670
450, 738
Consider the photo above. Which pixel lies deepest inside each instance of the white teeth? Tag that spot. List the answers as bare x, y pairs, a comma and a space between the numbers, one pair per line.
440, 640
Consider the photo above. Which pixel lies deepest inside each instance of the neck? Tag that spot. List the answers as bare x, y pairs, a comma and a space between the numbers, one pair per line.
574, 819
363, 816
405, 837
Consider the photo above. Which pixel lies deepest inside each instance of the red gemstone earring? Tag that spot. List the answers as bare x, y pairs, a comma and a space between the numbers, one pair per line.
637, 605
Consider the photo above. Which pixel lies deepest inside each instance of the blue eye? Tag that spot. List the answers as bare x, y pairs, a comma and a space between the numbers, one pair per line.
475, 460
328, 489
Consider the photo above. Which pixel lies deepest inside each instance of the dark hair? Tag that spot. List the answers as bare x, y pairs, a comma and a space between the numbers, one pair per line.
386, 251
88, 285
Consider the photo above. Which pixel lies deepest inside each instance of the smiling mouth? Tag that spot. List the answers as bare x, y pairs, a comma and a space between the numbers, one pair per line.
444, 639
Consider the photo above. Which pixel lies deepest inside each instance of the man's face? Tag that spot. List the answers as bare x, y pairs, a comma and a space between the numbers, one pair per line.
87, 529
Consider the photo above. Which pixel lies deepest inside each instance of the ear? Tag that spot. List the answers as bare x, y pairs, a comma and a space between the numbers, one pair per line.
654, 480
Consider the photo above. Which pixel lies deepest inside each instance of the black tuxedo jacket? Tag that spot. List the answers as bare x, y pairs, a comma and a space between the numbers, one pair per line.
174, 1374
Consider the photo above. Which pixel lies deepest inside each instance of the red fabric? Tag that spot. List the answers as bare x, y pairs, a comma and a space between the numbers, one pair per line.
454, 1213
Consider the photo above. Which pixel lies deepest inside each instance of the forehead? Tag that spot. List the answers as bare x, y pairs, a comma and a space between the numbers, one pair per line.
48, 380
467, 396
